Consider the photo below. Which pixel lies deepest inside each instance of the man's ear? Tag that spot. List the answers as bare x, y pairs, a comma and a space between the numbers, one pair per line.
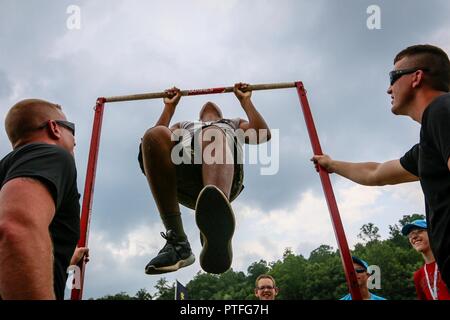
54, 131
418, 78
277, 290
256, 293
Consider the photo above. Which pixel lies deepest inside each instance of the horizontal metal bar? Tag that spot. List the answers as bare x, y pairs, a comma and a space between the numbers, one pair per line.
196, 92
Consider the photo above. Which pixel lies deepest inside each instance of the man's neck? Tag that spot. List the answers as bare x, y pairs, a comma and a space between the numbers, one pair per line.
421, 103
23, 142
365, 294
428, 256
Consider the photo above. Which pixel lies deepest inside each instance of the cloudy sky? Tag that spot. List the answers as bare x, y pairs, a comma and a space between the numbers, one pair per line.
136, 46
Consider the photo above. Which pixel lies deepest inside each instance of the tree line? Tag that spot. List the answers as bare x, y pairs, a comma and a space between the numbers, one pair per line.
318, 277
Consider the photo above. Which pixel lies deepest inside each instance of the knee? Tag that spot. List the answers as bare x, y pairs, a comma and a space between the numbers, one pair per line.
158, 136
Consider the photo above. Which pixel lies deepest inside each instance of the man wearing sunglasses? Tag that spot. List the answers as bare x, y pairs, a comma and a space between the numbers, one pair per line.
362, 276
428, 280
419, 88
39, 202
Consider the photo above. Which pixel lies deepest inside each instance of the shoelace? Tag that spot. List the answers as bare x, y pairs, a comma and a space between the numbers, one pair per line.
166, 236
171, 242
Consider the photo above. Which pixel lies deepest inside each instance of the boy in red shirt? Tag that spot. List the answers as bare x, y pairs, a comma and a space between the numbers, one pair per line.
428, 281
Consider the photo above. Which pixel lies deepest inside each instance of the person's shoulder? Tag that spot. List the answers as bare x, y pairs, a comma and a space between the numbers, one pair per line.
346, 297
45, 153
418, 273
50, 150
375, 297
439, 106
234, 122
443, 99
37, 146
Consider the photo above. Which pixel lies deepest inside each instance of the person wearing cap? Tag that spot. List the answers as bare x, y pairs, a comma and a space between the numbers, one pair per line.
362, 276
428, 280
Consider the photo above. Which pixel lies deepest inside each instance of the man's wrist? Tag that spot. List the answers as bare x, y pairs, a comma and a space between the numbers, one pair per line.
170, 106
332, 166
245, 101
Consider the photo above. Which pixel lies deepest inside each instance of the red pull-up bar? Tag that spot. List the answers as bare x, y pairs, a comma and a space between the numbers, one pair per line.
198, 92
324, 176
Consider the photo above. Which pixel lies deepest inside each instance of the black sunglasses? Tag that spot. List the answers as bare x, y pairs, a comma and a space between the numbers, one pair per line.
397, 74
63, 123
360, 270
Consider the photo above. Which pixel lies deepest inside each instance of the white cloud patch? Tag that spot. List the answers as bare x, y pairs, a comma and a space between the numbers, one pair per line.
143, 241
304, 225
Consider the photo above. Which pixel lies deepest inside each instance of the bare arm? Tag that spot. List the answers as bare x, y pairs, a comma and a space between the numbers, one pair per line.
367, 173
78, 254
255, 120
26, 258
169, 107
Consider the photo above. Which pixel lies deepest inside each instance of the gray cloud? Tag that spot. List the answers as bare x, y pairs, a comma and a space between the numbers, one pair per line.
146, 46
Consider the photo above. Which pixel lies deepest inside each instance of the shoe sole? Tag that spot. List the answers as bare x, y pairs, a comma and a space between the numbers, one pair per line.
180, 264
215, 219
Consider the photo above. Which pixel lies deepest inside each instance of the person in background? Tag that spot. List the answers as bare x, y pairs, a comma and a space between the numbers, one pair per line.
39, 202
419, 88
265, 287
362, 276
428, 280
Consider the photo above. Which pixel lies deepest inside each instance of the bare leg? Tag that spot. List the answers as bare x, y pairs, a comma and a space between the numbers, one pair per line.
218, 173
161, 176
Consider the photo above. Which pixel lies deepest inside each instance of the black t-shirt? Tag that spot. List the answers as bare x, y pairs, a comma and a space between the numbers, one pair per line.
55, 167
428, 161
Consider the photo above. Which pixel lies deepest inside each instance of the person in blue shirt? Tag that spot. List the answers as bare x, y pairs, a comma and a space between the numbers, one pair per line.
362, 276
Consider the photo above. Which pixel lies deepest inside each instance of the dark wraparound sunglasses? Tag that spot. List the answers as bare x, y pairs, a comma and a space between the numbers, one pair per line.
360, 270
397, 74
66, 124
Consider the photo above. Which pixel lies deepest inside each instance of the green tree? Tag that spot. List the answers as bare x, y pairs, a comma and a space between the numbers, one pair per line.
165, 291
291, 276
255, 270
369, 233
142, 294
320, 276
119, 296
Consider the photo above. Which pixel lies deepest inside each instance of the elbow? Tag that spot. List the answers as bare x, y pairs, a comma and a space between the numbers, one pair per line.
268, 135
7, 233
264, 135
12, 233
375, 181
377, 184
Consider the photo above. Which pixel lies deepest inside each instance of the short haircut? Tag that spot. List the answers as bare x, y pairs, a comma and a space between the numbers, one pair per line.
265, 276
27, 115
433, 58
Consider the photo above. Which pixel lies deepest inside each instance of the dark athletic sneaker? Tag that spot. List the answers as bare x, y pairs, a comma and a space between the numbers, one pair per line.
215, 219
175, 255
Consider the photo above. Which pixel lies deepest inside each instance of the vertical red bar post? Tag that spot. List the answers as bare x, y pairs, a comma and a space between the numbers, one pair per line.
339, 232
86, 209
